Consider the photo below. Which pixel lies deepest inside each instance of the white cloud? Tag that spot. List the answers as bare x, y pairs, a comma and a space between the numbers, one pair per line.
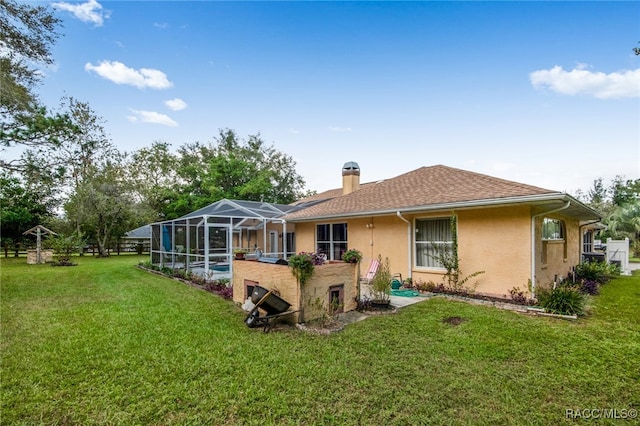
161, 25
340, 129
581, 81
121, 74
294, 131
91, 11
151, 117
176, 104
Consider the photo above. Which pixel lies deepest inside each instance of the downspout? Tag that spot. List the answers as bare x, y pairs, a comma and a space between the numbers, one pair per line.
533, 245
408, 243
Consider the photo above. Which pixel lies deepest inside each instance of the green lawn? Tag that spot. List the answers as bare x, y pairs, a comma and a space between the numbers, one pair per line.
106, 343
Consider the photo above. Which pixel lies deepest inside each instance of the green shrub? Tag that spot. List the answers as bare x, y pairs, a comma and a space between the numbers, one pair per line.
601, 272
64, 246
422, 286
302, 266
564, 299
381, 283
352, 256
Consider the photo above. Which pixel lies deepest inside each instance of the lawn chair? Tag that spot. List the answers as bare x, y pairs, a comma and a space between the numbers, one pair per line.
371, 272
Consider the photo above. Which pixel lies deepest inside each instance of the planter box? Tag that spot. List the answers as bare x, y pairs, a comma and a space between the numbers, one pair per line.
314, 294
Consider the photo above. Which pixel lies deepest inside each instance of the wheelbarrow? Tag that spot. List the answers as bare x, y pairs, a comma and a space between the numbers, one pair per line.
271, 303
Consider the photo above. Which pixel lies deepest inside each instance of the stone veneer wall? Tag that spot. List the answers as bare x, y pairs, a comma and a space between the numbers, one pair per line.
279, 277
45, 256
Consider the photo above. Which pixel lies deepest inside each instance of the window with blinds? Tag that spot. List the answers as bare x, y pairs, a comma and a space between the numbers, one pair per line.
432, 236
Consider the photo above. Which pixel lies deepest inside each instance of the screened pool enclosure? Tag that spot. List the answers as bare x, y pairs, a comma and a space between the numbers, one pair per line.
204, 242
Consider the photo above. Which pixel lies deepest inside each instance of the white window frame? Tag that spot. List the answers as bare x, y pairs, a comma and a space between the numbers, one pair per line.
426, 244
547, 222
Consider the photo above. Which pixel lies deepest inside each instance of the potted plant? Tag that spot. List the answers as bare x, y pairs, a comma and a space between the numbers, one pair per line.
381, 285
352, 256
239, 253
302, 266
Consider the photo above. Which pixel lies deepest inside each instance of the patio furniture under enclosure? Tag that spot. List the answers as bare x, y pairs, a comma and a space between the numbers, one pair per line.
203, 242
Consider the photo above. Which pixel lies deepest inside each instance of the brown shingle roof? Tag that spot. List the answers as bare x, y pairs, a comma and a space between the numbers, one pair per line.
426, 186
326, 195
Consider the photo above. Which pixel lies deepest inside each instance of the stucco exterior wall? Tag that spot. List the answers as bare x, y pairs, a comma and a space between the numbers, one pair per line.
325, 277
497, 241
373, 236
305, 237
494, 240
561, 255
279, 277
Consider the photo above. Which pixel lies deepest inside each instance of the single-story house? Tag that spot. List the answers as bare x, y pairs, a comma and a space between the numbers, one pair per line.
140, 238
519, 235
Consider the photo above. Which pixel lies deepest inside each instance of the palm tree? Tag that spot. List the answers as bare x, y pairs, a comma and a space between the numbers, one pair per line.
624, 221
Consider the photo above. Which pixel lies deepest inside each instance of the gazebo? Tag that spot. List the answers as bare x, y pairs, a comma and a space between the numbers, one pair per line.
204, 241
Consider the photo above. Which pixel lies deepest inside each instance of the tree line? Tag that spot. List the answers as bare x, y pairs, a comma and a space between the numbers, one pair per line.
71, 177
619, 203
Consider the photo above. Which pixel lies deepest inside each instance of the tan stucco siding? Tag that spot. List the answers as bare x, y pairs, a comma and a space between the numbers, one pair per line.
497, 241
373, 236
494, 240
305, 237
561, 255
387, 238
316, 291
280, 278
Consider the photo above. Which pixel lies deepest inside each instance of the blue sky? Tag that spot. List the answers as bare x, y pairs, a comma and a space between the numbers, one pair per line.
544, 93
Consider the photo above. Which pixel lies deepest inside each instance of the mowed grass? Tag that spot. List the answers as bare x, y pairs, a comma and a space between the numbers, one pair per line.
106, 343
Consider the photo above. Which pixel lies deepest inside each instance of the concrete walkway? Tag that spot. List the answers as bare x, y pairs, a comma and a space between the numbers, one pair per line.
396, 301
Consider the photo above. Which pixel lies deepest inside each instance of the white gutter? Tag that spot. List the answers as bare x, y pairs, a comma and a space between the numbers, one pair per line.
408, 243
533, 244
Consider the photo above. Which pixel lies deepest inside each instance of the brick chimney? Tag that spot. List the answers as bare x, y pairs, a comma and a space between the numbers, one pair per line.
350, 177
